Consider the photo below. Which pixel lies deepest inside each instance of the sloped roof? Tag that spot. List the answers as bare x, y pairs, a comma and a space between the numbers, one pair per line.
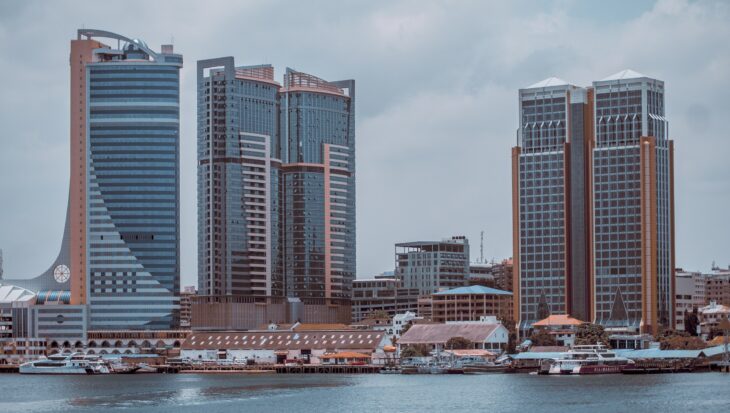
655, 353
280, 340
558, 320
549, 82
625, 74
529, 355
548, 349
471, 352
474, 289
441, 333
11, 293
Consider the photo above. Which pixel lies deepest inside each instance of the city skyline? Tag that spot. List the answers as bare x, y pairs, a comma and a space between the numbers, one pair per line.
400, 134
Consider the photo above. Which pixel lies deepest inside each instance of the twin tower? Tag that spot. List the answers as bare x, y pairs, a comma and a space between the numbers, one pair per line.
276, 189
593, 204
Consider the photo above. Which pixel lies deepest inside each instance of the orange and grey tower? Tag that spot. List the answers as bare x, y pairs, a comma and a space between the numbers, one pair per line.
593, 226
550, 202
633, 200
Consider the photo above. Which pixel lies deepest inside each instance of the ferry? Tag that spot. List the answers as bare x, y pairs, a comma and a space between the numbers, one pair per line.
76, 363
587, 359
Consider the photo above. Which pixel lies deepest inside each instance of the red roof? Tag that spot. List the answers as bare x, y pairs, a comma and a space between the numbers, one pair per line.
558, 320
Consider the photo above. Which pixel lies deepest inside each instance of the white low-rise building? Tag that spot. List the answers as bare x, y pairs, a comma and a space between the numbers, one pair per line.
487, 335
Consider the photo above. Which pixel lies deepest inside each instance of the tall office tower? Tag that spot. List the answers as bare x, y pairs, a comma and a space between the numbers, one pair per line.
633, 204
318, 186
550, 203
276, 183
238, 175
593, 202
130, 121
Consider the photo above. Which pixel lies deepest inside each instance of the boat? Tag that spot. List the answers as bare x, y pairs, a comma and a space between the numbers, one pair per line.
478, 365
75, 363
391, 370
587, 359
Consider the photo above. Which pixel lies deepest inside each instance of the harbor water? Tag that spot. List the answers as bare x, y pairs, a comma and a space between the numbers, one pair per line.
700, 392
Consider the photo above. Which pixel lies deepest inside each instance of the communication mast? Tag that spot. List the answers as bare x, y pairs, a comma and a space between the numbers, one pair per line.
481, 249
1, 264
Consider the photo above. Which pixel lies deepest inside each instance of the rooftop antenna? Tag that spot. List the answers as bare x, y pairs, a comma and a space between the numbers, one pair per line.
1, 264
481, 249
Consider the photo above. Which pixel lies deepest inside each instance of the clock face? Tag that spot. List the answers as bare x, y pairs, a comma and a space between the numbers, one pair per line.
61, 273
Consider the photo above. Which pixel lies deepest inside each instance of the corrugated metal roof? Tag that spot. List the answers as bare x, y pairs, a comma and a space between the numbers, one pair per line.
441, 333
655, 353
474, 289
529, 355
277, 340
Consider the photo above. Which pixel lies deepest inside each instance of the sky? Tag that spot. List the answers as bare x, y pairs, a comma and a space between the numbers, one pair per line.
437, 86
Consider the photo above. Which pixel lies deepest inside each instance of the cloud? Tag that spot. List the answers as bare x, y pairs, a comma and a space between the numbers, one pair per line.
437, 104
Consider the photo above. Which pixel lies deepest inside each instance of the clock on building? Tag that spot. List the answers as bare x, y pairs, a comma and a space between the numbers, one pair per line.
61, 273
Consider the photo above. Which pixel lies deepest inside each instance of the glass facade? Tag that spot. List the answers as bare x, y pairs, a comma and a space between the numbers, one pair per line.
593, 203
238, 242
133, 198
542, 204
276, 190
632, 195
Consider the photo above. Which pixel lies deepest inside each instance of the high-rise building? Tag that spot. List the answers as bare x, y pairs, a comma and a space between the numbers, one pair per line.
118, 267
593, 203
432, 266
276, 183
132, 186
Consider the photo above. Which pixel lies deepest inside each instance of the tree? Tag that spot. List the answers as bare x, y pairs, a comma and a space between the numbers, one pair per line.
591, 334
691, 321
512, 337
457, 343
683, 343
541, 337
415, 350
679, 340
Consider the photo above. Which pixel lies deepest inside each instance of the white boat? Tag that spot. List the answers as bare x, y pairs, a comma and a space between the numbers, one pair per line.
589, 359
76, 363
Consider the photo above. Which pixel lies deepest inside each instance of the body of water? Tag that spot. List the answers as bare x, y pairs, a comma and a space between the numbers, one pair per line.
702, 392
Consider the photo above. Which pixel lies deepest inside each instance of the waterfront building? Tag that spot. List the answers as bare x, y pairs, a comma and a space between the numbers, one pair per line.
718, 286
432, 266
276, 185
470, 304
710, 317
403, 321
275, 347
689, 295
562, 327
593, 204
490, 335
119, 261
381, 294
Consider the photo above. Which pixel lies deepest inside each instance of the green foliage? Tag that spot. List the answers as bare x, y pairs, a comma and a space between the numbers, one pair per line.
591, 334
679, 340
457, 343
691, 321
416, 350
541, 337
512, 337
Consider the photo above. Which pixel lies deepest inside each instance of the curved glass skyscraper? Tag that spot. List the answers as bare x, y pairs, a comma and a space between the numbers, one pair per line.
133, 188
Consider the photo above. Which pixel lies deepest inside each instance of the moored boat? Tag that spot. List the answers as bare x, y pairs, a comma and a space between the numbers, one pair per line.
76, 363
588, 359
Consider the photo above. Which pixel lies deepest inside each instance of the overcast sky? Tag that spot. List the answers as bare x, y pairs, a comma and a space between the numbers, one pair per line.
436, 104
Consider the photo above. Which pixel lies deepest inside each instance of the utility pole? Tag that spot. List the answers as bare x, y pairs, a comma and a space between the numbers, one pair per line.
1, 264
